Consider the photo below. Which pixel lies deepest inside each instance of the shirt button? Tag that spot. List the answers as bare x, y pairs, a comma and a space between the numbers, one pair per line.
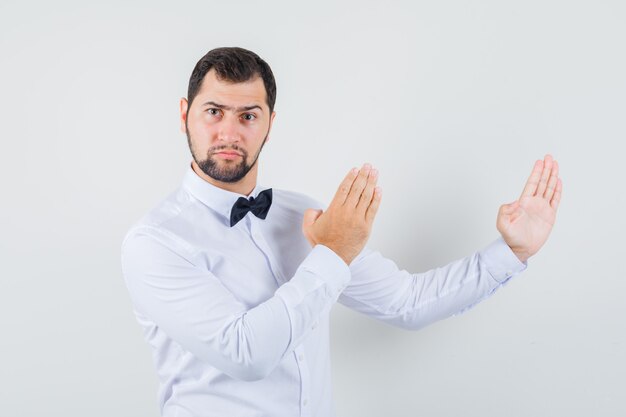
301, 357
314, 325
509, 273
305, 402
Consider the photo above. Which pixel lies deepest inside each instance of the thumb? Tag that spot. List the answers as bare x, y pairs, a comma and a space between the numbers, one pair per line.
310, 216
509, 208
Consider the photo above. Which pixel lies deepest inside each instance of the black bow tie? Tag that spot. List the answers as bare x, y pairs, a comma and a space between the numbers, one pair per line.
259, 206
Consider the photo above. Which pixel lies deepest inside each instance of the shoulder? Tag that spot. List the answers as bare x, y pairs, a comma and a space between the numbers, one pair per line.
159, 223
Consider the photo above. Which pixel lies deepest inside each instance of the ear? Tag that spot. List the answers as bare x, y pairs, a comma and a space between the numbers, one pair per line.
270, 126
183, 114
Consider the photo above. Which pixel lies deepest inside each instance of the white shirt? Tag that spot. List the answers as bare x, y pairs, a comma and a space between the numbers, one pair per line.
238, 318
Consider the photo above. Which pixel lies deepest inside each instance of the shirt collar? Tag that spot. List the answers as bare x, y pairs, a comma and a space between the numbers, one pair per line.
218, 199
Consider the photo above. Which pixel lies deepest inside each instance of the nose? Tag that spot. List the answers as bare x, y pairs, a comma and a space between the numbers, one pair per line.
229, 130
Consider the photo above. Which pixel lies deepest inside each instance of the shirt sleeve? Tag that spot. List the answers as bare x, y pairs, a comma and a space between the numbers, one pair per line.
413, 300
193, 307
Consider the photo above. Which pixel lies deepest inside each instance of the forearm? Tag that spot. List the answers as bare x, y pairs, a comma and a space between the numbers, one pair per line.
192, 306
412, 301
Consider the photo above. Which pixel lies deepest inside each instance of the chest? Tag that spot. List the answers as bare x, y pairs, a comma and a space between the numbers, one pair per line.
254, 260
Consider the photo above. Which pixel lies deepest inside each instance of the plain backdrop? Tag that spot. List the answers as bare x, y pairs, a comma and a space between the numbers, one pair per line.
452, 101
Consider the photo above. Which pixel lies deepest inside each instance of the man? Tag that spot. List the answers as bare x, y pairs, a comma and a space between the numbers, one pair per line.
233, 283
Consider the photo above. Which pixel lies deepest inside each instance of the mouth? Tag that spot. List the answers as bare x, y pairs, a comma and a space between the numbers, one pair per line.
228, 155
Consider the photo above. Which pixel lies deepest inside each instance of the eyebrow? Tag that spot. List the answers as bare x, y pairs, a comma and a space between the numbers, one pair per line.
225, 107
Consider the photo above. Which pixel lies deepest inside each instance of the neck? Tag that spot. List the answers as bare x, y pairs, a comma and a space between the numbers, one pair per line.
244, 186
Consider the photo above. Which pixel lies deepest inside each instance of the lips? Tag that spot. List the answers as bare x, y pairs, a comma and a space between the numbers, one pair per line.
228, 153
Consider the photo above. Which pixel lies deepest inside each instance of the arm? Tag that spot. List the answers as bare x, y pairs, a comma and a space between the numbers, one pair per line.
411, 301
193, 308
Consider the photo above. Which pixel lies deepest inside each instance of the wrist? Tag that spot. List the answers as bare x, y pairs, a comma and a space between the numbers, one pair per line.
521, 255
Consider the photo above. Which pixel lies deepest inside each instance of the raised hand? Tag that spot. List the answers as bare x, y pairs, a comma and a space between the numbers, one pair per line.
526, 223
347, 223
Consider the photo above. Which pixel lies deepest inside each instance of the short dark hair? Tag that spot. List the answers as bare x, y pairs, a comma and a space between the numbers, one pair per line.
236, 65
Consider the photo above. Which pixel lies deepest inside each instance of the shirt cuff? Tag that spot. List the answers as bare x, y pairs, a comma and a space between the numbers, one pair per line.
500, 260
326, 264
321, 267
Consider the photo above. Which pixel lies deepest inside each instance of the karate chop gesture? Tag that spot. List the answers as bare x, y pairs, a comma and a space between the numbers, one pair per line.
346, 225
526, 223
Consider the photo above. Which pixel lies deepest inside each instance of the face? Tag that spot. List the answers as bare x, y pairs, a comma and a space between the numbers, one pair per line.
227, 126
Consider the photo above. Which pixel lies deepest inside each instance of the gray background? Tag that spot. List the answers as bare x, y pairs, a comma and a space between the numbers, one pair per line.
451, 100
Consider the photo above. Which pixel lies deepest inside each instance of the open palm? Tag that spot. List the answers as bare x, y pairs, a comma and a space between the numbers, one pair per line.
526, 223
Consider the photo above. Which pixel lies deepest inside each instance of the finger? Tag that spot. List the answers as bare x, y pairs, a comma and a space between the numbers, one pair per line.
368, 193
310, 216
554, 176
358, 186
545, 174
372, 209
509, 208
556, 199
533, 180
509, 211
344, 188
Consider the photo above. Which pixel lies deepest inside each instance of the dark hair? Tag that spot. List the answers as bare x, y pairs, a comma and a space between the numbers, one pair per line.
236, 65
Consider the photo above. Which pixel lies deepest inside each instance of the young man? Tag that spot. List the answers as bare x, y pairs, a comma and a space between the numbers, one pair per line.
235, 305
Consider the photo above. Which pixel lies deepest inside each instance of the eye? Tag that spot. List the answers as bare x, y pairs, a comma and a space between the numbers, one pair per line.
249, 117
213, 111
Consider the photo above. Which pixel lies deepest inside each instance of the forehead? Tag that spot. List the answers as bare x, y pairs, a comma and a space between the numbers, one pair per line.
231, 94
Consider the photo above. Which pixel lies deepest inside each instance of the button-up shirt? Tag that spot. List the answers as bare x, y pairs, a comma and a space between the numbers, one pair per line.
238, 317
